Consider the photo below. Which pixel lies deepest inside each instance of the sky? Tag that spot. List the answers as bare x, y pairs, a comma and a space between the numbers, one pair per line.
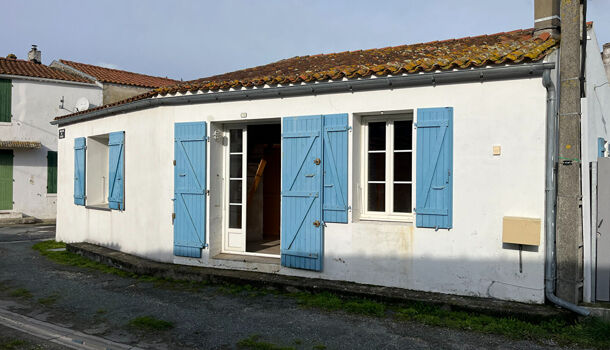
189, 39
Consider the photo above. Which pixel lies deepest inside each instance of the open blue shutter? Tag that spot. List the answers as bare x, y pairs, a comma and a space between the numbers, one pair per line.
190, 145
116, 169
334, 199
302, 159
434, 168
79, 170
601, 147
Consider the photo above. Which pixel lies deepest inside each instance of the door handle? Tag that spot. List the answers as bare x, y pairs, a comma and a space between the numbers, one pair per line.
316, 223
317, 161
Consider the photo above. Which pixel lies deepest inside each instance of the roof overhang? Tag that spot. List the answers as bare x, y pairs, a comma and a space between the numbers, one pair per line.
507, 72
20, 145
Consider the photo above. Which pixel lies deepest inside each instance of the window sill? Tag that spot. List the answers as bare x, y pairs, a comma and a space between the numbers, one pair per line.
51, 194
405, 219
103, 207
6, 123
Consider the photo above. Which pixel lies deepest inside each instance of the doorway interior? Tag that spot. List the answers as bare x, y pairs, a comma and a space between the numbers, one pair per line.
254, 189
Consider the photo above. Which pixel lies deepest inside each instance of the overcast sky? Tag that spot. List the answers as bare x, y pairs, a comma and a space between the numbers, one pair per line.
194, 39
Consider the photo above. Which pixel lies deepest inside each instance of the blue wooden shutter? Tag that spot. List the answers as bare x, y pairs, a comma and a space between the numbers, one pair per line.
190, 145
334, 199
116, 169
302, 159
434, 168
79, 170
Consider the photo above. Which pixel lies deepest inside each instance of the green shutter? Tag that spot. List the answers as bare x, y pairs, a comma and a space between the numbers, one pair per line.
6, 179
52, 172
5, 100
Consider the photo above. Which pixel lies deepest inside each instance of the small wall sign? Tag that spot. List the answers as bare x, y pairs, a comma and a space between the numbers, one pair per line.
62, 133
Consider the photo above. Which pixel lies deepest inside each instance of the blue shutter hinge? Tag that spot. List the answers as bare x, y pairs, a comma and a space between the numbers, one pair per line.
206, 138
205, 245
349, 207
349, 128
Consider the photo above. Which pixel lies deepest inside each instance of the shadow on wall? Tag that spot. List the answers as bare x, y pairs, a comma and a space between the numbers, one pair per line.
505, 279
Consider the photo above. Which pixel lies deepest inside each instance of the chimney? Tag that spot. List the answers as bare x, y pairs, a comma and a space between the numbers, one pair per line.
546, 17
606, 59
34, 55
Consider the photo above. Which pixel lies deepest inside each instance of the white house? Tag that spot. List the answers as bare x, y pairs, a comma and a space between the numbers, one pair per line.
31, 95
418, 166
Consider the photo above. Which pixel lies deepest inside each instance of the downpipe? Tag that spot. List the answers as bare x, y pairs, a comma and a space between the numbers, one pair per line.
550, 264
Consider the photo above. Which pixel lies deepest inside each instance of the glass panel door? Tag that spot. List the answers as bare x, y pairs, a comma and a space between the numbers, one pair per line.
235, 199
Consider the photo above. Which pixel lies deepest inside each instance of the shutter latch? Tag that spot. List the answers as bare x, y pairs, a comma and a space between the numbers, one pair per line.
173, 217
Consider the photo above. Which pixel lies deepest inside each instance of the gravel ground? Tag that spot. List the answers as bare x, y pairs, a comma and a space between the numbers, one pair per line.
102, 305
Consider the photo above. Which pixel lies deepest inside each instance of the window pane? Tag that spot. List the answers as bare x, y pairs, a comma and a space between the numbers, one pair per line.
402, 166
377, 166
402, 198
236, 140
403, 132
235, 191
376, 197
376, 136
234, 216
235, 166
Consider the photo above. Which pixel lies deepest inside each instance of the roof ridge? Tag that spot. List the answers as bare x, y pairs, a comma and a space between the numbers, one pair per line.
67, 62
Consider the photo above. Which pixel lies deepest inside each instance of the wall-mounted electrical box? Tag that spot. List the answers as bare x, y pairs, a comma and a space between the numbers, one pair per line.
517, 230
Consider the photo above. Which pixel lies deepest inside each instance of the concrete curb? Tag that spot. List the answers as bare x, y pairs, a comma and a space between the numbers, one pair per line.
143, 266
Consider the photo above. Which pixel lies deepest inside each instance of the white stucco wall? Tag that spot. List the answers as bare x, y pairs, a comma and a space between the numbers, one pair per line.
595, 108
34, 104
469, 259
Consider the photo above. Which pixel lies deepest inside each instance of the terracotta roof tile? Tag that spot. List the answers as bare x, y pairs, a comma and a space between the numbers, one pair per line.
115, 76
502, 48
30, 69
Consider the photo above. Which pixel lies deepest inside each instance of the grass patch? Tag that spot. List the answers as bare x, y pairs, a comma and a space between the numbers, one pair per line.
149, 323
253, 343
588, 332
21, 293
333, 302
68, 258
12, 344
50, 300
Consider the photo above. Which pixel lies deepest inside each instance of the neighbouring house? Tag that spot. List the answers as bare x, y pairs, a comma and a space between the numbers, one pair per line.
427, 167
117, 84
31, 94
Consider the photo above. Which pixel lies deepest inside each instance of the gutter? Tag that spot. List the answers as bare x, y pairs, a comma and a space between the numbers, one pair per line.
551, 198
391, 82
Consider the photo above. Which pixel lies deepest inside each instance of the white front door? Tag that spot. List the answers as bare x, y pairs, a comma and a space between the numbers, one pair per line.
235, 239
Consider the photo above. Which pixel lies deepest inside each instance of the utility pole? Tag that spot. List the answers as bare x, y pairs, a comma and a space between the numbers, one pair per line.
569, 216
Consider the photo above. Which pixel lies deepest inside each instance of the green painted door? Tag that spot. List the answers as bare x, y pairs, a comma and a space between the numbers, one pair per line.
6, 179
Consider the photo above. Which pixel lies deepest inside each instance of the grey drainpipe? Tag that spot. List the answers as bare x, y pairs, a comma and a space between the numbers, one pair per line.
551, 198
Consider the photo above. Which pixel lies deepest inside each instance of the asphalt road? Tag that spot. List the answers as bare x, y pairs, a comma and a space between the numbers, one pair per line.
210, 318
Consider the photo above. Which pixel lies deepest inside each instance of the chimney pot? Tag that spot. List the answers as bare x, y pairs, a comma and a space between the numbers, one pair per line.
34, 55
547, 17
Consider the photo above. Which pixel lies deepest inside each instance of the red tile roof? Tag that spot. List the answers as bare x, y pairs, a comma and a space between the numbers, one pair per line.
115, 76
30, 69
518, 46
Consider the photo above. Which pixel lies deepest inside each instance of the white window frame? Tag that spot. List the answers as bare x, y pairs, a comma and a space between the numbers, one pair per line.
388, 214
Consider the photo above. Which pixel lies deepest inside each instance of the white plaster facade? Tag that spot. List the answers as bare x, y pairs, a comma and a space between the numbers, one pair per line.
595, 108
34, 103
469, 259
